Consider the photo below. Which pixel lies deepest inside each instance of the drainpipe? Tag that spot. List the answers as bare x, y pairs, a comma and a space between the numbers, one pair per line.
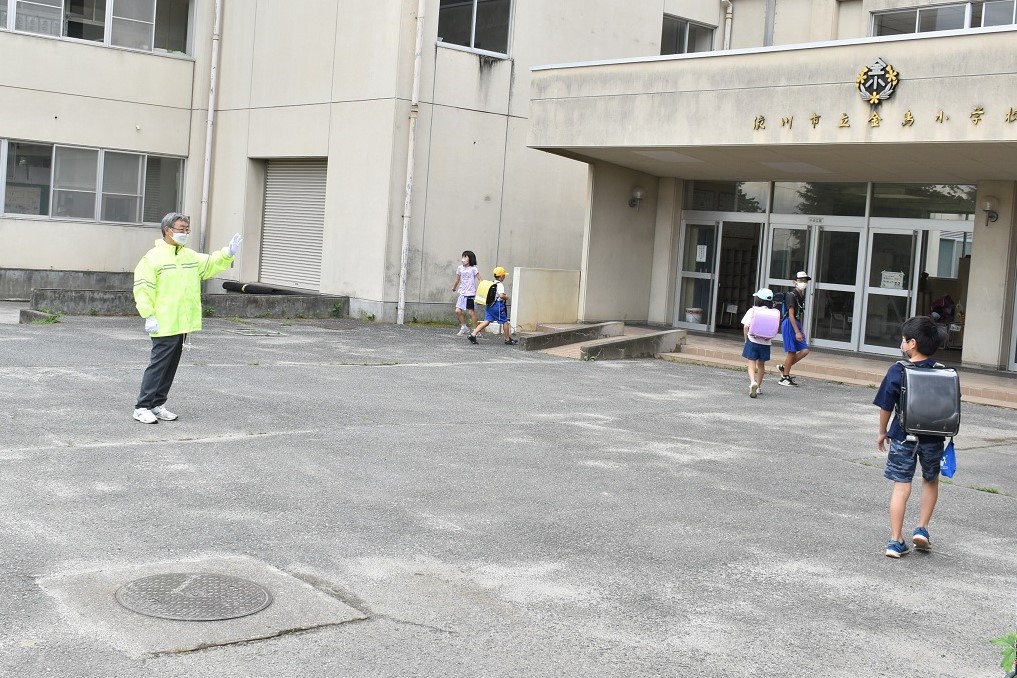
411, 143
206, 180
728, 17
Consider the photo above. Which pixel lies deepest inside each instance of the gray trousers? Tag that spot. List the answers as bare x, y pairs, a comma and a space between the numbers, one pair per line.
162, 367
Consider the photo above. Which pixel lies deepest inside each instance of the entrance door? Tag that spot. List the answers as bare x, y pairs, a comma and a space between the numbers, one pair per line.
788, 251
839, 263
694, 301
738, 272
889, 288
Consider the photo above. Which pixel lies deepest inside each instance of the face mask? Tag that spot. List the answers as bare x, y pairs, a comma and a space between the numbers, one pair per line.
466, 262
180, 238
801, 286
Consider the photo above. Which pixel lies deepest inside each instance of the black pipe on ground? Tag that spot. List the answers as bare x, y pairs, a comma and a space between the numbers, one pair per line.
255, 288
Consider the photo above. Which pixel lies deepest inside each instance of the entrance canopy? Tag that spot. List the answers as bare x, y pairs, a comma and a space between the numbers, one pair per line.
932, 108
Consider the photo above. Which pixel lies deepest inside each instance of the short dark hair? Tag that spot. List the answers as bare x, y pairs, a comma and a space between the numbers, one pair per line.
756, 301
471, 256
924, 331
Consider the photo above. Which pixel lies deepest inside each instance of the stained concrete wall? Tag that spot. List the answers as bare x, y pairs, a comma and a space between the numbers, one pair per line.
542, 295
616, 271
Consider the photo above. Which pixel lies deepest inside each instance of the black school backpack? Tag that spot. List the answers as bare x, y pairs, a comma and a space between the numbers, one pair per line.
929, 400
778, 302
492, 294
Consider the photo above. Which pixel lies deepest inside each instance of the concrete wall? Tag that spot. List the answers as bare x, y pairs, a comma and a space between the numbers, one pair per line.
990, 295
543, 295
73, 93
616, 272
666, 233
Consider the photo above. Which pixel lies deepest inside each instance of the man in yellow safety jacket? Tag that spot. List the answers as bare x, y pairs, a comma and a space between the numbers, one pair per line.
167, 291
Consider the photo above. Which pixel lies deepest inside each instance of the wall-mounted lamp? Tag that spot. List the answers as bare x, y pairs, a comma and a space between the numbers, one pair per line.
990, 205
637, 197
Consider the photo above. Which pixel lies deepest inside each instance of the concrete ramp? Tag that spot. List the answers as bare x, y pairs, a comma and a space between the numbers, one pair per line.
603, 341
647, 345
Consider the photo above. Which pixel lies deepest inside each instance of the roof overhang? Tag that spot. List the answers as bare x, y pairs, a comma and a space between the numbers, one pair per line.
793, 113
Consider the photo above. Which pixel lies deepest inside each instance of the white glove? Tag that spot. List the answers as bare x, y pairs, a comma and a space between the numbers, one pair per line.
152, 325
234, 245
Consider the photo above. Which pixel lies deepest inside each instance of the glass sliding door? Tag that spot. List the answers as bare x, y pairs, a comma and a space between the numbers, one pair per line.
889, 289
697, 276
838, 268
788, 250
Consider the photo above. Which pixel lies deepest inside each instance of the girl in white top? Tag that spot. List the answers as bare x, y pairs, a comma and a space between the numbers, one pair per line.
759, 325
467, 277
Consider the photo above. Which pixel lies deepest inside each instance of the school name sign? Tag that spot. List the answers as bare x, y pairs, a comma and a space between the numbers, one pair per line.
876, 83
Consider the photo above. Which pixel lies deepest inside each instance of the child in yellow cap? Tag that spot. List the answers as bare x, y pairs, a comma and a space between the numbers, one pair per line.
497, 311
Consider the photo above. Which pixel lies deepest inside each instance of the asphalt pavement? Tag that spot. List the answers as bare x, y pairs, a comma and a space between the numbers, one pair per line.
419, 506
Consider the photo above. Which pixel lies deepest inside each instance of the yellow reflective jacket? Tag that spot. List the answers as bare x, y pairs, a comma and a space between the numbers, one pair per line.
167, 285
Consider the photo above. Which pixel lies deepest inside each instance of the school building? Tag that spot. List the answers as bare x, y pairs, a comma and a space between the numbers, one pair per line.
678, 153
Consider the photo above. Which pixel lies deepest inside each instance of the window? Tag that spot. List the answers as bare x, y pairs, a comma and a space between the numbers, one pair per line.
75, 179
85, 19
954, 202
846, 200
681, 36
480, 24
163, 187
121, 187
63, 181
26, 187
144, 25
133, 24
3, 14
171, 20
944, 17
39, 16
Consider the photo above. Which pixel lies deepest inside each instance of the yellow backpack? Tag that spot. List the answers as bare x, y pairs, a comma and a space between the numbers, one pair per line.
484, 288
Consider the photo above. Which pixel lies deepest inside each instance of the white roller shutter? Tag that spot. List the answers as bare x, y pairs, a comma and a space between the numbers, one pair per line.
294, 224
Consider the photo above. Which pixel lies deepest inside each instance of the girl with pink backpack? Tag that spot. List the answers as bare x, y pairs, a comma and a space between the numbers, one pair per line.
759, 325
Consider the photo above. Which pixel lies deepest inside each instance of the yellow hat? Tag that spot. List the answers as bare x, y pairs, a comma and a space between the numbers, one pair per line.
499, 271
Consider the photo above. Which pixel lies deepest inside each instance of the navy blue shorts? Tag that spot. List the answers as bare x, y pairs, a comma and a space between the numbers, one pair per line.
754, 351
903, 459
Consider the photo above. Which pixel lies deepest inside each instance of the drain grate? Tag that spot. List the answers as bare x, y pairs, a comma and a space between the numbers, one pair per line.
194, 597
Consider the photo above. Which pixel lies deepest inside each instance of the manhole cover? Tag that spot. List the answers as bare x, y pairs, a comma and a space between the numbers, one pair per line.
193, 597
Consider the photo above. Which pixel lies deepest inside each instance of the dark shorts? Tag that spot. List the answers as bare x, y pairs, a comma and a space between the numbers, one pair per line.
903, 459
496, 313
469, 304
754, 351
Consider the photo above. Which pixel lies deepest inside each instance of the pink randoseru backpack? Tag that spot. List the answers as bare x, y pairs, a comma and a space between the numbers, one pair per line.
764, 323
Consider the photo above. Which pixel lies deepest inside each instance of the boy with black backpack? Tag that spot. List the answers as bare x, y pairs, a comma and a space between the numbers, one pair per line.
920, 339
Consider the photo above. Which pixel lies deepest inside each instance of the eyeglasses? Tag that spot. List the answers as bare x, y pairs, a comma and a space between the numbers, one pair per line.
182, 229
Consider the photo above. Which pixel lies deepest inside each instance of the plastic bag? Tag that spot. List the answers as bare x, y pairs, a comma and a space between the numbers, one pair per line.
948, 465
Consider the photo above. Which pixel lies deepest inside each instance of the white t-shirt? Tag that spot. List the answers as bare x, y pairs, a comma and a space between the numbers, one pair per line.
747, 321
467, 280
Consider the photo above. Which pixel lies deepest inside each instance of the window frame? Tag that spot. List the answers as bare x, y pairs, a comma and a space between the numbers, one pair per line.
967, 5
96, 218
685, 25
473, 34
13, 7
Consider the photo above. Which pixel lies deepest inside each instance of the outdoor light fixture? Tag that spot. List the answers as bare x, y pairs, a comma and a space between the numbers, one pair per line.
990, 205
637, 197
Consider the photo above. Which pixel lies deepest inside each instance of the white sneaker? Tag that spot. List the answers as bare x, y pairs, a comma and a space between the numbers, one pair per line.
463, 329
145, 416
162, 413
753, 390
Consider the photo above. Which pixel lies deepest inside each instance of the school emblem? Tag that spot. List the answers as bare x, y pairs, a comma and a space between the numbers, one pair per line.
877, 81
